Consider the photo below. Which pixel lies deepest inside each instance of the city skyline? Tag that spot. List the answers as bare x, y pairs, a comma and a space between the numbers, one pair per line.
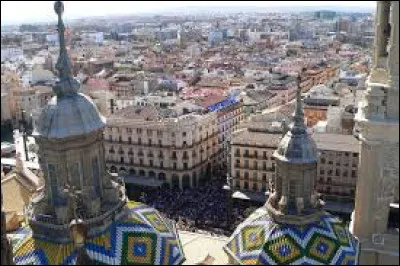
16, 12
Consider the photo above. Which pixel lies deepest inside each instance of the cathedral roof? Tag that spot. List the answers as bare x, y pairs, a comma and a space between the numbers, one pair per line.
140, 236
262, 241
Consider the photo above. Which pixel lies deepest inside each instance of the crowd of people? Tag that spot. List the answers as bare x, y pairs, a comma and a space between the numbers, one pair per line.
203, 208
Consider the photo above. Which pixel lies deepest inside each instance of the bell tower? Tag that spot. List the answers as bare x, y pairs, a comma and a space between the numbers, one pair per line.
378, 120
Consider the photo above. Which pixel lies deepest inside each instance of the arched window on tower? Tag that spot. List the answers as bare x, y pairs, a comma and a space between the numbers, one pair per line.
52, 176
74, 175
96, 176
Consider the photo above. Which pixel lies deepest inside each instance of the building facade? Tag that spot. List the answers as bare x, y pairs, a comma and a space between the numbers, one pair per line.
253, 166
179, 151
337, 168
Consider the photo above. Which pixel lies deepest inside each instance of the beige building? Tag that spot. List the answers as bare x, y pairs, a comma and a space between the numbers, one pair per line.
19, 187
377, 192
337, 168
253, 167
156, 146
252, 164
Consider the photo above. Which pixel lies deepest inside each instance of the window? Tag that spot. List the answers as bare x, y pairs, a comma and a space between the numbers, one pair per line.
354, 173
132, 162
161, 164
185, 166
246, 185
139, 131
160, 142
246, 163
122, 159
265, 155
149, 132
139, 141
323, 160
264, 177
151, 163
74, 175
149, 141
183, 134
255, 186
246, 153
159, 133
237, 174
255, 176
174, 166
264, 165
237, 152
256, 154
52, 173
355, 155
246, 175
255, 165
174, 155
337, 172
173, 134
129, 140
322, 171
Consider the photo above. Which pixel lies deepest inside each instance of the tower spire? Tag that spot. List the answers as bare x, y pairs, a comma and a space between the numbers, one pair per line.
298, 116
66, 83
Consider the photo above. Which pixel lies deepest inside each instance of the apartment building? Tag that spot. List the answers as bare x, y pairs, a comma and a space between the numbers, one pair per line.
337, 166
253, 166
148, 144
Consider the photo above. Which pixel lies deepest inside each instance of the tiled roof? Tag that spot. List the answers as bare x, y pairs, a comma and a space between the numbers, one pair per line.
259, 240
141, 236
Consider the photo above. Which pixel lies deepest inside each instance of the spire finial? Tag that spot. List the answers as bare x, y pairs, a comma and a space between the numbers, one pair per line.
298, 117
66, 84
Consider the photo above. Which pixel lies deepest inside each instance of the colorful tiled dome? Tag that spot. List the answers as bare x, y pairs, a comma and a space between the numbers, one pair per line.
141, 236
259, 240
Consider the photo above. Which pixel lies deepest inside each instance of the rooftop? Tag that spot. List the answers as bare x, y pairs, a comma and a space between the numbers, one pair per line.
336, 142
247, 137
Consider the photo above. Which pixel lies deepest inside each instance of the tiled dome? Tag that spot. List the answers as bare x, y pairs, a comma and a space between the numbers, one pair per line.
259, 240
140, 236
67, 116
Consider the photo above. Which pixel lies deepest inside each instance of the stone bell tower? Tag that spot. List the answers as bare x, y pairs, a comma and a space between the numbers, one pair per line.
378, 120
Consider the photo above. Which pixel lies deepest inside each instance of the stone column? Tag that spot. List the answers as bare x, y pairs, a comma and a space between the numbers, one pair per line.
369, 173
381, 33
393, 63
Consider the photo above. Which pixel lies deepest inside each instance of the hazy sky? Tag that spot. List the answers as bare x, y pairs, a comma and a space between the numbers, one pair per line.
38, 11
